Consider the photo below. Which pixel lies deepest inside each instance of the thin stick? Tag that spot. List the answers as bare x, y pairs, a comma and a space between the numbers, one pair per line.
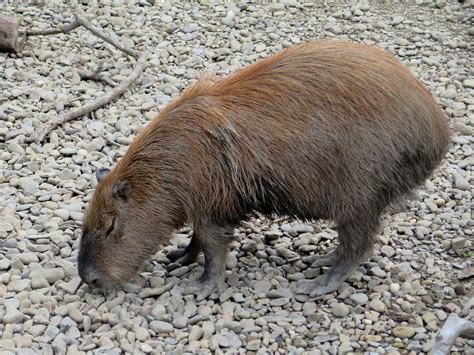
44, 130
80, 20
54, 31
96, 76
99, 33
452, 328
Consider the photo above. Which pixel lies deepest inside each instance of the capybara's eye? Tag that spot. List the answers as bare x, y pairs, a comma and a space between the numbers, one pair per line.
111, 227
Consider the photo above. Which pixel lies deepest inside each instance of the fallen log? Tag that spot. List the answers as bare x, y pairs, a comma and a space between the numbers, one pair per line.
9, 39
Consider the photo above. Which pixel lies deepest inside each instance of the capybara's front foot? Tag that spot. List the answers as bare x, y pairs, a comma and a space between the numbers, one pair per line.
213, 240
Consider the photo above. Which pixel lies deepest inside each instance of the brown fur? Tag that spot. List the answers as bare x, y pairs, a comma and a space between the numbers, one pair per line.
323, 130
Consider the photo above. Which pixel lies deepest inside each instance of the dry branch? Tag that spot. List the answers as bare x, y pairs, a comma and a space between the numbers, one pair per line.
119, 89
9, 40
452, 328
80, 20
44, 130
97, 75
54, 31
99, 33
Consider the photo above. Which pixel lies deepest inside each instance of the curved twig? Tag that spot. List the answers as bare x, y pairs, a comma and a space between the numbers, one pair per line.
44, 130
54, 31
81, 20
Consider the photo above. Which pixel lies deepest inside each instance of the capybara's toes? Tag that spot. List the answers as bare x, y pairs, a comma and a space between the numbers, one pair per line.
325, 260
201, 289
322, 285
304, 287
326, 283
175, 254
186, 260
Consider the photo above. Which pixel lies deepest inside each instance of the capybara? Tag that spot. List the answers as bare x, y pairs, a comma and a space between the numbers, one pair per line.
322, 130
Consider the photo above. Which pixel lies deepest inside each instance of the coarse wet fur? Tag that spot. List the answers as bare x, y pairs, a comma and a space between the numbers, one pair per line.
323, 130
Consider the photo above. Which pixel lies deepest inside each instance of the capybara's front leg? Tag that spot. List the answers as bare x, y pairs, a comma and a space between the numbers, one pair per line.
214, 241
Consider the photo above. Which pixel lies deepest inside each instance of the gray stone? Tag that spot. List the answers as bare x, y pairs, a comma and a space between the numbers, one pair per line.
142, 334
253, 345
195, 333
468, 83
66, 323
38, 281
461, 183
68, 151
161, 327
12, 303
228, 340
340, 310
249, 246
4, 264
75, 314
262, 287
19, 285
13, 316
180, 322
279, 293
403, 332
279, 302
458, 243
28, 258
276, 7
387, 251
15, 148
71, 286
61, 213
28, 185
303, 228
376, 271
53, 275
51, 332
359, 298
158, 311
377, 305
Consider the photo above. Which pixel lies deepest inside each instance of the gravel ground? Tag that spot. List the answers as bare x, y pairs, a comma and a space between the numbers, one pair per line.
395, 303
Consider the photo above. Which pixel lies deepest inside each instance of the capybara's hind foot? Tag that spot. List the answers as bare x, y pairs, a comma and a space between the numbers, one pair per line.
175, 254
327, 283
331, 280
325, 260
185, 256
201, 289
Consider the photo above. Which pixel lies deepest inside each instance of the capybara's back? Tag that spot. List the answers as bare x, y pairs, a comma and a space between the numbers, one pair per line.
323, 130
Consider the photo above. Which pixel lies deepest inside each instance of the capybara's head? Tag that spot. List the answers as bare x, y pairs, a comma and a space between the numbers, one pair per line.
116, 236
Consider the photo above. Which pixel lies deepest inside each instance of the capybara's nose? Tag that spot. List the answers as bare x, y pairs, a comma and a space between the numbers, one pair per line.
90, 277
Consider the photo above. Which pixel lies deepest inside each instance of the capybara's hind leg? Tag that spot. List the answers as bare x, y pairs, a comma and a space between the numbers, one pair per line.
356, 239
188, 255
356, 242
214, 241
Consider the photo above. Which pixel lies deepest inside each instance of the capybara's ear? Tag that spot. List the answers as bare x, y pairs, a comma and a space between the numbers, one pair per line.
101, 173
122, 190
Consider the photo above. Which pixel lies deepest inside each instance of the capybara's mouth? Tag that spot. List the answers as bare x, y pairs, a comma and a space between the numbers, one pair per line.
99, 280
